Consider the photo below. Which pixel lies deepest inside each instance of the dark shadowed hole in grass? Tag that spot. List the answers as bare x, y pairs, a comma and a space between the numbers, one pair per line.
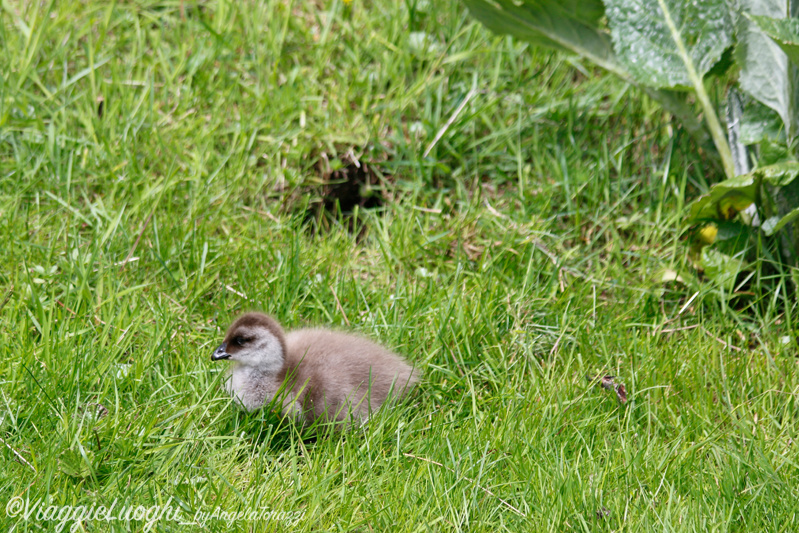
349, 181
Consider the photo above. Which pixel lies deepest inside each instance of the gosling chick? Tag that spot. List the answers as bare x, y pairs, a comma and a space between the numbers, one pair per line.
317, 374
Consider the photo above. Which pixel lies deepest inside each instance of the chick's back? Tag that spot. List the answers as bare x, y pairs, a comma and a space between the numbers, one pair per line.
332, 371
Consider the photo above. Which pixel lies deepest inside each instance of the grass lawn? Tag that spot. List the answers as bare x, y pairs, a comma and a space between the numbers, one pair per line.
165, 166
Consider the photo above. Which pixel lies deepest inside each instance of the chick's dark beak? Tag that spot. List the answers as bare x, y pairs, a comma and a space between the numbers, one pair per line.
220, 352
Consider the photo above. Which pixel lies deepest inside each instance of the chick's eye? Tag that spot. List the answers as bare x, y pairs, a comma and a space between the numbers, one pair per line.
239, 341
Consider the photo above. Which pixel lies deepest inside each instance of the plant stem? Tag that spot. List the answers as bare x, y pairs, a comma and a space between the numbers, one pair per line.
712, 119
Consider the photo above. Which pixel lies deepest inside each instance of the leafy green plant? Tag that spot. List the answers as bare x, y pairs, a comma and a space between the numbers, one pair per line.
707, 63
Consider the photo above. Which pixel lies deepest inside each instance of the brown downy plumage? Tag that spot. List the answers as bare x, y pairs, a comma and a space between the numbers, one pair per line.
316, 374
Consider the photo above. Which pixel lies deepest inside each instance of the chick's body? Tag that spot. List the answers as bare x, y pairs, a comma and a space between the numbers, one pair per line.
334, 374
316, 374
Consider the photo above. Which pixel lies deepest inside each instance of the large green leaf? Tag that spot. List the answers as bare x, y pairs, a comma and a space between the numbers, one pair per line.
574, 26
760, 123
567, 25
673, 44
780, 175
726, 199
649, 47
784, 32
731, 196
766, 73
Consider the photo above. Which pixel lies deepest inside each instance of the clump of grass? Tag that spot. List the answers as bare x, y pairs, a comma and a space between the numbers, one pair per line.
532, 206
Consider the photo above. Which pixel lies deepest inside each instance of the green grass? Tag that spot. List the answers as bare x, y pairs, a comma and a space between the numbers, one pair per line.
522, 253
